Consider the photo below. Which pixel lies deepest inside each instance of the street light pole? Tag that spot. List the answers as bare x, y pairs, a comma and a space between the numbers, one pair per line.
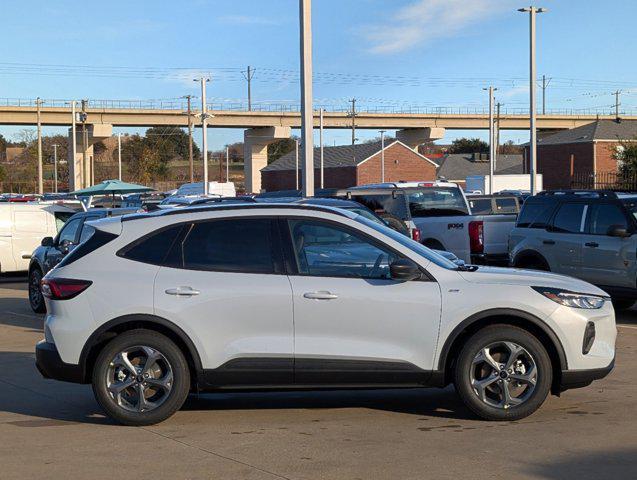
38, 102
227, 164
119, 156
382, 156
491, 140
321, 144
204, 140
532, 114
307, 113
296, 156
55, 167
72, 185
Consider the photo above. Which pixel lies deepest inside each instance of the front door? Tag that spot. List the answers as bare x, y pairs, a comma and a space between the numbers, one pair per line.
224, 286
353, 323
608, 261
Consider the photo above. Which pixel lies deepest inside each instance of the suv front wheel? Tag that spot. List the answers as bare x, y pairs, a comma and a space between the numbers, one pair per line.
141, 378
503, 373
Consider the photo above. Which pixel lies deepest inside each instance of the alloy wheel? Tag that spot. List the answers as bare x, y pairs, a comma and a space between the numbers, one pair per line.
503, 374
139, 379
35, 294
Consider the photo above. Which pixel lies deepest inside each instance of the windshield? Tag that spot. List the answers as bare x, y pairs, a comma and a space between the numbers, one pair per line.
436, 202
631, 205
409, 243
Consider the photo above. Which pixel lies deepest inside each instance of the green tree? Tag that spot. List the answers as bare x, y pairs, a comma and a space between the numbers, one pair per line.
281, 147
170, 143
3, 173
468, 145
626, 155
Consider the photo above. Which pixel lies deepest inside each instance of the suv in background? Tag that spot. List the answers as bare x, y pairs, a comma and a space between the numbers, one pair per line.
52, 250
584, 234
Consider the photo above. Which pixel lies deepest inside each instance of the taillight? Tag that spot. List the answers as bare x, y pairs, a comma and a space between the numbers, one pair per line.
476, 236
416, 234
63, 288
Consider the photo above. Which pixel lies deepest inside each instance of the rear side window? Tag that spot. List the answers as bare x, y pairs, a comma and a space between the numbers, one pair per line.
233, 245
480, 206
604, 216
506, 205
568, 218
152, 248
535, 214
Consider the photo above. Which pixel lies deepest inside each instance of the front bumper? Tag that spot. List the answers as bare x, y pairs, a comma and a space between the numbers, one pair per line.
50, 365
582, 378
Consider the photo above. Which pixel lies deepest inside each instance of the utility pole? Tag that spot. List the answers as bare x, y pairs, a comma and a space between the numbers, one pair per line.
491, 140
38, 102
248, 76
296, 168
353, 115
227, 164
497, 132
617, 104
321, 144
72, 185
85, 167
204, 133
119, 156
55, 167
190, 156
532, 11
545, 83
382, 156
307, 112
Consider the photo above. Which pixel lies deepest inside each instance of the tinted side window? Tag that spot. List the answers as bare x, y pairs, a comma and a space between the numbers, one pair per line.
480, 206
325, 250
152, 248
385, 203
237, 245
568, 218
69, 232
535, 214
506, 205
604, 216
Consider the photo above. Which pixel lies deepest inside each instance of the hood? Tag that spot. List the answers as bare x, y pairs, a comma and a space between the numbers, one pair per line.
532, 278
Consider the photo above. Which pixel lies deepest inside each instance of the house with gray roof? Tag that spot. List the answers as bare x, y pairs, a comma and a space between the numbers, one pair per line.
456, 167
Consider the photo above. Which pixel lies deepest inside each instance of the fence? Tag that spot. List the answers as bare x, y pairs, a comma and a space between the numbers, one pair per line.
620, 182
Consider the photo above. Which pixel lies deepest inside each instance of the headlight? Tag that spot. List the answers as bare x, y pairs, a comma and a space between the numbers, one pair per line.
571, 299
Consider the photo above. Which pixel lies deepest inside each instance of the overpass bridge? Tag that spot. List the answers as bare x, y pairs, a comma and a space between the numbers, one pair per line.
268, 122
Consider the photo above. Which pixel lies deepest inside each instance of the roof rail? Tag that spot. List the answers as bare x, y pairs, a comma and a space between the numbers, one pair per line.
204, 201
580, 193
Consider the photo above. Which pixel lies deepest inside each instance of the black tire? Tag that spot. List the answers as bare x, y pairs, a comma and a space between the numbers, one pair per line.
622, 304
176, 361
489, 336
532, 264
36, 299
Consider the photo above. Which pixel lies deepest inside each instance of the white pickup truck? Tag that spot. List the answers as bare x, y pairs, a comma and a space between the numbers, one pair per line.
439, 216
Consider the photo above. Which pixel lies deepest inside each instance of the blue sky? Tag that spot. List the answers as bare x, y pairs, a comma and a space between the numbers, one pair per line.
430, 52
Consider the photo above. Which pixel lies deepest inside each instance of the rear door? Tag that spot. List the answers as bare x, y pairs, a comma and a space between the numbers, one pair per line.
563, 241
223, 283
354, 324
608, 260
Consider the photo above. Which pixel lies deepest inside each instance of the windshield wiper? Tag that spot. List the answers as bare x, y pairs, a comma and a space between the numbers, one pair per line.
467, 268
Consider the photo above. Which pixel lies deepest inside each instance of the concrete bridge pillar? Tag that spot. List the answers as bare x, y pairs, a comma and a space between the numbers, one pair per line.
255, 153
81, 175
412, 137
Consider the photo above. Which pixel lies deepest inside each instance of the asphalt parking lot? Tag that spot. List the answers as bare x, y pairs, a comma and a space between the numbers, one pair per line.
50, 429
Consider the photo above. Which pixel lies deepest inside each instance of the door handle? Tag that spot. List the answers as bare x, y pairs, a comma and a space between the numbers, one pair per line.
182, 291
591, 244
548, 242
323, 295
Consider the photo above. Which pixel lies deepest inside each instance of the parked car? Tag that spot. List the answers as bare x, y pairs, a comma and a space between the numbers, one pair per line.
252, 296
22, 228
52, 250
438, 215
493, 204
584, 234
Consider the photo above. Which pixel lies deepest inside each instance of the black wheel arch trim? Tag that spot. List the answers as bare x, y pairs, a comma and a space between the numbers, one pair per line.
501, 312
529, 253
93, 339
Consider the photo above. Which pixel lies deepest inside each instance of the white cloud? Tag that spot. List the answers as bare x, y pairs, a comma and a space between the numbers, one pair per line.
427, 20
246, 20
512, 92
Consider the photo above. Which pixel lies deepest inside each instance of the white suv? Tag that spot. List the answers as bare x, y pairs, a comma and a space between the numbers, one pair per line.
154, 306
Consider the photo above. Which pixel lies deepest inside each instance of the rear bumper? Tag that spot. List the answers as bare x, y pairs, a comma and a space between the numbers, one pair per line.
50, 365
582, 378
493, 259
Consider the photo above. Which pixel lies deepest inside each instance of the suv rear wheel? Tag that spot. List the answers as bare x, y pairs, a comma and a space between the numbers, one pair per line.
141, 378
503, 373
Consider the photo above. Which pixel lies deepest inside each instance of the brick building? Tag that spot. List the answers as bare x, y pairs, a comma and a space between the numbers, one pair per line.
346, 166
580, 152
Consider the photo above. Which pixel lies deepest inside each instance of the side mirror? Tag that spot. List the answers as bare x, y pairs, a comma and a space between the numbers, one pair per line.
404, 270
47, 242
618, 231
